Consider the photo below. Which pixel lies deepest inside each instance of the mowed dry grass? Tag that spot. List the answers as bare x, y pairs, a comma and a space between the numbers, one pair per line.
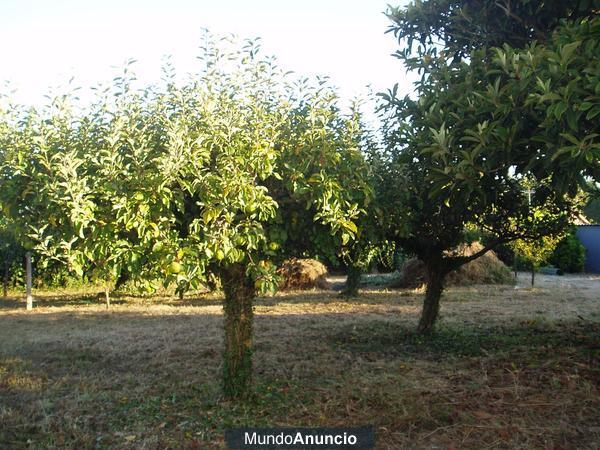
507, 368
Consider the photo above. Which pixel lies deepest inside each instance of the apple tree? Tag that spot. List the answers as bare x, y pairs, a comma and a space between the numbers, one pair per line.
271, 169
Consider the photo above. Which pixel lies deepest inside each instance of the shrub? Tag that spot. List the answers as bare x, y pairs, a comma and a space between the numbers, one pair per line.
592, 210
569, 255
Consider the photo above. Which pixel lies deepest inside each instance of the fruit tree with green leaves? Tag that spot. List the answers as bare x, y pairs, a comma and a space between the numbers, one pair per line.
494, 111
535, 252
272, 169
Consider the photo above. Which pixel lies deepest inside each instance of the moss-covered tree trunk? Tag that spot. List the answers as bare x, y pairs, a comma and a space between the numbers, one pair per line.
436, 273
237, 365
352, 281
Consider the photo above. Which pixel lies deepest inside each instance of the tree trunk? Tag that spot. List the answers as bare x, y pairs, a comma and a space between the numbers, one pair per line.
123, 278
28, 275
352, 282
237, 365
431, 303
182, 288
532, 274
5, 281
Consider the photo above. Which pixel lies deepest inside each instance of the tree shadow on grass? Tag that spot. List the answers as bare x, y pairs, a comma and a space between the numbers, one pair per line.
464, 341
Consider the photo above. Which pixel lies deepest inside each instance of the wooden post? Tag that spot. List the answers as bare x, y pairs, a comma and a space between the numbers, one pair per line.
107, 295
28, 281
5, 281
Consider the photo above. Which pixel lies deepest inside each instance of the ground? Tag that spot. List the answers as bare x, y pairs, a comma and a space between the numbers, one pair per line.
507, 368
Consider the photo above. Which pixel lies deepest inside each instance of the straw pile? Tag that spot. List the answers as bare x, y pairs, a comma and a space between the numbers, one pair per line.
486, 269
298, 274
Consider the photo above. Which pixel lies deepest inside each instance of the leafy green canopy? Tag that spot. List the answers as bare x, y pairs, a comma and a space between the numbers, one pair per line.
538, 90
482, 125
454, 28
238, 164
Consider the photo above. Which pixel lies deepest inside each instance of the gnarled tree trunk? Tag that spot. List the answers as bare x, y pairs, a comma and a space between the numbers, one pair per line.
352, 281
436, 273
237, 365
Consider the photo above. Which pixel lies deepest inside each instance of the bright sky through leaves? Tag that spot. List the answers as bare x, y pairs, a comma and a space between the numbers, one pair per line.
44, 43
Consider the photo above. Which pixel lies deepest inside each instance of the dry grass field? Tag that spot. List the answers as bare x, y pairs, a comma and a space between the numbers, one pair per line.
507, 368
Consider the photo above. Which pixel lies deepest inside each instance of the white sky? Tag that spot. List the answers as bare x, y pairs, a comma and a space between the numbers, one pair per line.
45, 42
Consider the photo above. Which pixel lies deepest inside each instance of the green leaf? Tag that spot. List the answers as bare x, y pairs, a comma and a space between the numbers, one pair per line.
559, 109
567, 51
210, 214
593, 113
350, 226
572, 139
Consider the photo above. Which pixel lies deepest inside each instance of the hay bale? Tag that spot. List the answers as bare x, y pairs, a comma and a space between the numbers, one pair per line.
301, 274
412, 275
486, 269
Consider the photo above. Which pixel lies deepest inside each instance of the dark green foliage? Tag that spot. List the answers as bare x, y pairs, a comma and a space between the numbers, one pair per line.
592, 210
399, 258
540, 96
11, 257
520, 264
569, 255
466, 25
